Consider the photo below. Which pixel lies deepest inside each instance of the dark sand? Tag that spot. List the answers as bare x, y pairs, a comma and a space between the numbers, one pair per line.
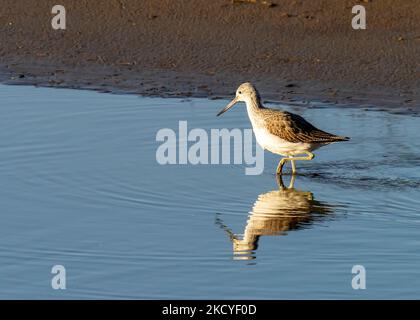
296, 50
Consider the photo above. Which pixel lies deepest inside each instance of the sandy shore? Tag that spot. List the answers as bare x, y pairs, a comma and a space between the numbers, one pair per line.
292, 50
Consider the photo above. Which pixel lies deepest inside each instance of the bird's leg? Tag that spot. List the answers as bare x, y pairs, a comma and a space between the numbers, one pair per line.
293, 166
280, 183
309, 156
292, 182
281, 164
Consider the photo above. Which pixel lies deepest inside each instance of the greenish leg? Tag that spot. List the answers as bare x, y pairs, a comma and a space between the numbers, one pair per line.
293, 166
281, 185
282, 162
292, 182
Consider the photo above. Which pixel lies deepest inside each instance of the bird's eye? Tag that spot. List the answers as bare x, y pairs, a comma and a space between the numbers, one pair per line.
240, 92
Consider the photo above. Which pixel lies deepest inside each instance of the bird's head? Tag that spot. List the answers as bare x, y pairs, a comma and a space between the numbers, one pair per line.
245, 92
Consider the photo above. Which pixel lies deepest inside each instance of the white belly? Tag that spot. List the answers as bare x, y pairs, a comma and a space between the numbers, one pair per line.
277, 145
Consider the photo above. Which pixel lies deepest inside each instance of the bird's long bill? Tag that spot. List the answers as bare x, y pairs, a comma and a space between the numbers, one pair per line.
230, 105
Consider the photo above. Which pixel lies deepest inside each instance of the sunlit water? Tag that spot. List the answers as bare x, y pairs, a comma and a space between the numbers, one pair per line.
81, 188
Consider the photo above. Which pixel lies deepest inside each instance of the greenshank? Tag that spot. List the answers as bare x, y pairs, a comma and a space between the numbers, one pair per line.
281, 132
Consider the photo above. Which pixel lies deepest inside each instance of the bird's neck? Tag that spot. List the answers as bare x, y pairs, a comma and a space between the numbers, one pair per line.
253, 103
253, 106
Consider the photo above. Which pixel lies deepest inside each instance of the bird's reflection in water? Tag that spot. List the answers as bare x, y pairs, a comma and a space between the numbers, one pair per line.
275, 213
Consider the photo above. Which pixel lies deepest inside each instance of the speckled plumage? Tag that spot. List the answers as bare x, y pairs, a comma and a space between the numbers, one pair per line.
293, 128
281, 132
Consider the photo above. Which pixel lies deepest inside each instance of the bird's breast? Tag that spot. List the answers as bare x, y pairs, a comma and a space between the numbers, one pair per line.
275, 144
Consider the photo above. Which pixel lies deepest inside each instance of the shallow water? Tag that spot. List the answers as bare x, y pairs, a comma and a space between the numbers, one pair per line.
81, 187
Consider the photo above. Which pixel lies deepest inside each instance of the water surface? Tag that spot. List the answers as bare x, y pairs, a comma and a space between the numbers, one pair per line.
81, 187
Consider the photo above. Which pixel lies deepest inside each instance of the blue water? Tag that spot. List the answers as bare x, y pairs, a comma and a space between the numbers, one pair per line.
81, 188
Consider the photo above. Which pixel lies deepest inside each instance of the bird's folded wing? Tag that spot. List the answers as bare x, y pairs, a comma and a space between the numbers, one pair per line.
293, 128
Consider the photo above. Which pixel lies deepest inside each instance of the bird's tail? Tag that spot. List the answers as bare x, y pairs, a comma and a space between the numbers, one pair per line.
322, 136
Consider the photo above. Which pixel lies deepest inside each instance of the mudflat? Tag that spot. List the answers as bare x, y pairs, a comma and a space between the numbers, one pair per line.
290, 49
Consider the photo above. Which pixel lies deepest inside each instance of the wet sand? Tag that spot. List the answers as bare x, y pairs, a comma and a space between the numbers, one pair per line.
292, 50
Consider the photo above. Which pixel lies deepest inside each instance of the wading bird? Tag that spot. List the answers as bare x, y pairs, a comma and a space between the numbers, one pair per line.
281, 132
